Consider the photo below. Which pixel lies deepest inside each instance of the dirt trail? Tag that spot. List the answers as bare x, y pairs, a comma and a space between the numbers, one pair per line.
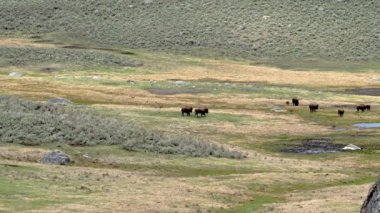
16, 42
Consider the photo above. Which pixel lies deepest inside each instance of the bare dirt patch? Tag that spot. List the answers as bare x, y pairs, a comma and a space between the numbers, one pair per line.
14, 42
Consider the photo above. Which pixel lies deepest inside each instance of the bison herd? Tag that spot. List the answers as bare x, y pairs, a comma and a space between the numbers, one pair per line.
314, 107
203, 111
363, 108
197, 111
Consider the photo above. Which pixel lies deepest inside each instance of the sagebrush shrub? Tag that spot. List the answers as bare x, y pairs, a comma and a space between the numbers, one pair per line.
245, 28
32, 123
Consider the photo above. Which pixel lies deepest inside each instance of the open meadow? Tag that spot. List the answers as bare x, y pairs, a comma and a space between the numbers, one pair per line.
247, 165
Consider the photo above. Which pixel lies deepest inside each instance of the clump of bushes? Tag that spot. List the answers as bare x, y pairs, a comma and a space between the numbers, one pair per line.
179, 145
33, 123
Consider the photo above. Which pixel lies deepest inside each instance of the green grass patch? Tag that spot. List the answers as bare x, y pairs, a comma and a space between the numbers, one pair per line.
25, 189
329, 116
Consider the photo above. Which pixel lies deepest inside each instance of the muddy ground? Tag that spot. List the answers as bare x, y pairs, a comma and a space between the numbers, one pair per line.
314, 146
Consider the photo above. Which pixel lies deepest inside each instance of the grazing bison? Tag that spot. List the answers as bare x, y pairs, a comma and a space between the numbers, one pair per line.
340, 112
295, 101
313, 107
201, 111
186, 110
361, 107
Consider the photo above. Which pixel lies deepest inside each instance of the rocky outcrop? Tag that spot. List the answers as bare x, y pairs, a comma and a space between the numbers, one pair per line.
372, 202
55, 157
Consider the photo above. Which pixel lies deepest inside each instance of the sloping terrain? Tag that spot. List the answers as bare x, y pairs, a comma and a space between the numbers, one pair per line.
329, 30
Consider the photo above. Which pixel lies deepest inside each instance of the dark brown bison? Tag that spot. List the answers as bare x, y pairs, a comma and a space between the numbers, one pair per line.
313, 107
295, 102
186, 110
361, 107
201, 111
340, 112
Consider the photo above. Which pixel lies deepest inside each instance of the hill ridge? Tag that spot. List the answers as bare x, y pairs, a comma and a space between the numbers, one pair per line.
336, 29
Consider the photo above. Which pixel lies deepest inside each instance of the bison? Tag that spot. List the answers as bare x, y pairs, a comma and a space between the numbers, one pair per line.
313, 107
201, 111
186, 110
361, 107
340, 112
295, 101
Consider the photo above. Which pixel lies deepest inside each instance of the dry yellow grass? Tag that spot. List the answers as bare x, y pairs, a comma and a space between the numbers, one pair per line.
41, 88
16, 42
134, 191
122, 191
228, 71
21, 154
333, 199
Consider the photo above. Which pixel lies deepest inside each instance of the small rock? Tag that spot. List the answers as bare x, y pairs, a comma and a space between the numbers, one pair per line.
55, 157
266, 17
15, 74
351, 147
181, 83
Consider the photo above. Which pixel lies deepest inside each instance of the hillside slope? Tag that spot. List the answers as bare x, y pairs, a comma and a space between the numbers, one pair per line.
334, 29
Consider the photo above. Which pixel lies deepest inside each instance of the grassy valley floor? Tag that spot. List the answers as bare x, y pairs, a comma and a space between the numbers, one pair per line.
248, 113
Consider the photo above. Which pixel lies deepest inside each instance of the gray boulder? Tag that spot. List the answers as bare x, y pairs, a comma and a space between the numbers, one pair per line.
55, 157
372, 202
